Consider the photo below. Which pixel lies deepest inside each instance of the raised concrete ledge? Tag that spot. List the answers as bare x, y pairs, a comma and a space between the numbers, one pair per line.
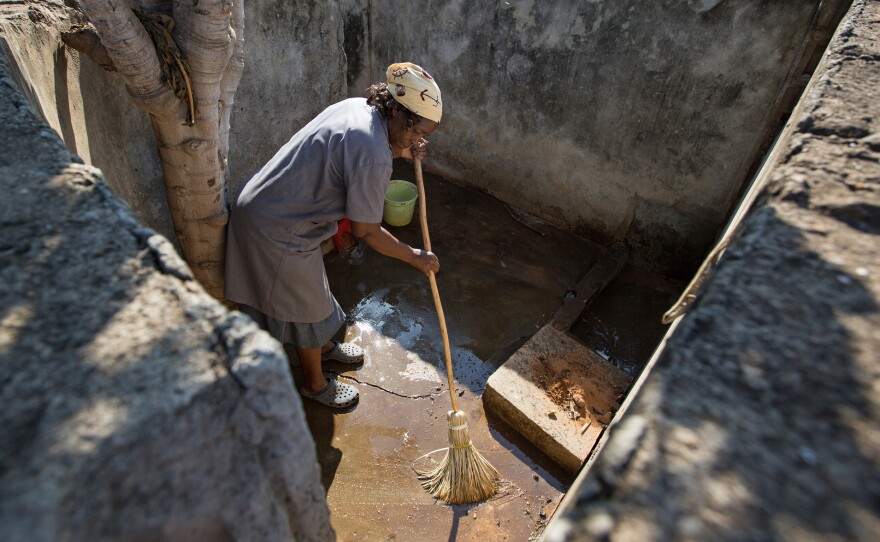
760, 420
553, 361
136, 407
533, 390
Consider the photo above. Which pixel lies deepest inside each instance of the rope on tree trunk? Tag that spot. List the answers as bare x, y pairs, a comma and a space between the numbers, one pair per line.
175, 68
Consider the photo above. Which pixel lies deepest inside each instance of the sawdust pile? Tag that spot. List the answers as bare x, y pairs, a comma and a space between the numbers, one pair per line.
589, 388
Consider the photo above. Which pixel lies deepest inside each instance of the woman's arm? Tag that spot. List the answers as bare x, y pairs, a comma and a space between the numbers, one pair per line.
380, 240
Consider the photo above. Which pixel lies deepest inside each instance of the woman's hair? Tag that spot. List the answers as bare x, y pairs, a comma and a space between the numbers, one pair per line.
379, 97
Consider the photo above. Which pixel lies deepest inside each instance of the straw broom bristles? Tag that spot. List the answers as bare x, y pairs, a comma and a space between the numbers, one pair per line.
464, 475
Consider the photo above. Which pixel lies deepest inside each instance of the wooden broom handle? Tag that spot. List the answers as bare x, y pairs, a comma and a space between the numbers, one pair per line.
426, 237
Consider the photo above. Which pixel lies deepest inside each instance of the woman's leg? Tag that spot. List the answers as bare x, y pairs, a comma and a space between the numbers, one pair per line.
310, 359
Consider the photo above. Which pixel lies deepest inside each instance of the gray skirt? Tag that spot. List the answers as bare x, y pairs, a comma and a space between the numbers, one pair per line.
300, 335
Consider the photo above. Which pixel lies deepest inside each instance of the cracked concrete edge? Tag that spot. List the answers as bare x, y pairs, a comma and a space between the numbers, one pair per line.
255, 360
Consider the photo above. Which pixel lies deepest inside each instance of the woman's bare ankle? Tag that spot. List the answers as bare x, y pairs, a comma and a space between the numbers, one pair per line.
314, 386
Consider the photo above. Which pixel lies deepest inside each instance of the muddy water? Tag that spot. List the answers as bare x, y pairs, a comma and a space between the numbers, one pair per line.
500, 281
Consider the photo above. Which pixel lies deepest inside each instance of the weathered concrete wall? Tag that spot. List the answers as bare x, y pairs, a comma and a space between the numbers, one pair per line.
135, 406
618, 120
295, 67
86, 105
761, 418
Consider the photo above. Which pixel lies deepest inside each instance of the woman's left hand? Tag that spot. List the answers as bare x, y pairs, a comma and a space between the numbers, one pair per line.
418, 150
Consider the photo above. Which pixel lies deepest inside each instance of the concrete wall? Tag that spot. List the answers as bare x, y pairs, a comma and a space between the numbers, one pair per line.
294, 68
87, 106
624, 119
617, 120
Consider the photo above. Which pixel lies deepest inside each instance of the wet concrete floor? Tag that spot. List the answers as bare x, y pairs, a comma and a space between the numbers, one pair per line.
500, 281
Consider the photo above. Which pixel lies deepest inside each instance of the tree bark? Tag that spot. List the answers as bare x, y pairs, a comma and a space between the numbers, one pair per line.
193, 155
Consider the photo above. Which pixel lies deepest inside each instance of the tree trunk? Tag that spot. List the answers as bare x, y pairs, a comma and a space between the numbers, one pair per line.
209, 34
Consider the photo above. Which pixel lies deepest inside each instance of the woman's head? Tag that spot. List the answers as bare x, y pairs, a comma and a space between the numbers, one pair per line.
414, 88
380, 97
410, 101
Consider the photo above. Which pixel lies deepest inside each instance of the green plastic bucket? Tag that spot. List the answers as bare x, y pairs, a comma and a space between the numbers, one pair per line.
400, 200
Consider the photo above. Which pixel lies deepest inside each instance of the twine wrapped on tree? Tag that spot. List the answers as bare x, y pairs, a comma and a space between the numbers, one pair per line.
175, 68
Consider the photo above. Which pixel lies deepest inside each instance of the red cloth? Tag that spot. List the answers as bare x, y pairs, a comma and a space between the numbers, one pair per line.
343, 237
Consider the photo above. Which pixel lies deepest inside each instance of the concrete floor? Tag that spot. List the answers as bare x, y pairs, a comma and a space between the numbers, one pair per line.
500, 280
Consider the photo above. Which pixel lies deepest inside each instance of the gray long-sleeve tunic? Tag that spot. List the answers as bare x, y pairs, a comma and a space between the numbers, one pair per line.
337, 165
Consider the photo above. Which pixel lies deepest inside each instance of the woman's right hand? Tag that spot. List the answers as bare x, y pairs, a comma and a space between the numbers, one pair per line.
425, 261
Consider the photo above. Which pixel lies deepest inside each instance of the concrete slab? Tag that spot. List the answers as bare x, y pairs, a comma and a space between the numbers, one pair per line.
549, 377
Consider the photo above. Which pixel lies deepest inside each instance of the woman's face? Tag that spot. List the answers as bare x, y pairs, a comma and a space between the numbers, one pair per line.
402, 137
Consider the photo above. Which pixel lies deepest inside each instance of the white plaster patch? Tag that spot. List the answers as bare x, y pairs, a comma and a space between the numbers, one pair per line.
374, 309
419, 369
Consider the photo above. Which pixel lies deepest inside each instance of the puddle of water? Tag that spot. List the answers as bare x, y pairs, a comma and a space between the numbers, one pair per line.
373, 309
385, 324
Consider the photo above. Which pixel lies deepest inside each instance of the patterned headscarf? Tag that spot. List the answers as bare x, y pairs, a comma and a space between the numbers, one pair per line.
415, 89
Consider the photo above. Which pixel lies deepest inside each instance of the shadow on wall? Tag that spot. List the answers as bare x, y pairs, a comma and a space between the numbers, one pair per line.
753, 409
62, 99
99, 122
24, 86
139, 409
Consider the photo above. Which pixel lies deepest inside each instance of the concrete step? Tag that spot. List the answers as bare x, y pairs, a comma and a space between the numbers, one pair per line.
558, 393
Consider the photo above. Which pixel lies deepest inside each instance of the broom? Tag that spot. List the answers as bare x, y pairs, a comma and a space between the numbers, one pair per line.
464, 476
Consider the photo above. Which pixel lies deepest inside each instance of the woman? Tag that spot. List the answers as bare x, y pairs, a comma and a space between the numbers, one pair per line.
336, 166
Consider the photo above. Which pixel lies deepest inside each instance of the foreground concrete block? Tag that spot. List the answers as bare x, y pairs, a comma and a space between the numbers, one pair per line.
136, 407
557, 393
